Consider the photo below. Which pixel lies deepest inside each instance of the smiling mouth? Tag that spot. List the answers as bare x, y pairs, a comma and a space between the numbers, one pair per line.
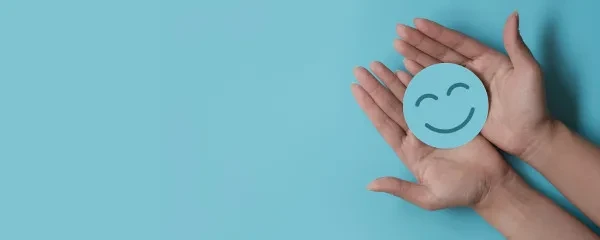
454, 129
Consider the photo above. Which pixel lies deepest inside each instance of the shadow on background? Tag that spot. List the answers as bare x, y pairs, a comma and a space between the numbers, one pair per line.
561, 84
560, 79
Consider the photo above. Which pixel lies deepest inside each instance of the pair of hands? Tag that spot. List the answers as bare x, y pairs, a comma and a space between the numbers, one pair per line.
517, 122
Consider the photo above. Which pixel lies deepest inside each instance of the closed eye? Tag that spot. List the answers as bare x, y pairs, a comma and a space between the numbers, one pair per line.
455, 86
422, 97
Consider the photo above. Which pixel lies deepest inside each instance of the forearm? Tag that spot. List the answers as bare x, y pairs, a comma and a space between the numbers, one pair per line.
572, 165
519, 212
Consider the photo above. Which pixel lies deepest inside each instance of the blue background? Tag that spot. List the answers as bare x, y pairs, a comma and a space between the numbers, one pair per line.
233, 119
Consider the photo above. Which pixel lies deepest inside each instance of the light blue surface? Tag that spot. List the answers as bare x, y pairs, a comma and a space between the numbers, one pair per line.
233, 119
445, 105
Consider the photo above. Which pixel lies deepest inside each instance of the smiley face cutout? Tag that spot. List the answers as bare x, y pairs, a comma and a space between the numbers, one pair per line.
445, 105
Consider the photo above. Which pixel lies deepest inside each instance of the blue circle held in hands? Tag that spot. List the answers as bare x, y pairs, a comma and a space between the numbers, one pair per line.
445, 105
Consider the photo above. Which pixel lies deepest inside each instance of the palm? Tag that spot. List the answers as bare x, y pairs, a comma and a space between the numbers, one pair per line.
514, 84
516, 110
446, 178
456, 177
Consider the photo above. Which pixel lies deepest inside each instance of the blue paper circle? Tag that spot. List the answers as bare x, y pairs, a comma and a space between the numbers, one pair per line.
445, 105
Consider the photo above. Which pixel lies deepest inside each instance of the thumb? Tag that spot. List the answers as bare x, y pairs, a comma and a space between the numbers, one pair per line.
414, 193
519, 54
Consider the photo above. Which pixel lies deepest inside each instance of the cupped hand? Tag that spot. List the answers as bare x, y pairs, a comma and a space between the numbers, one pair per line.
518, 118
445, 177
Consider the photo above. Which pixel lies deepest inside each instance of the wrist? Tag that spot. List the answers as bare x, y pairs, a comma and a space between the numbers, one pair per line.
542, 142
504, 207
498, 193
519, 212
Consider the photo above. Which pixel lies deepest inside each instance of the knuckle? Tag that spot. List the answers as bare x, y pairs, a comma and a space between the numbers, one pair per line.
443, 53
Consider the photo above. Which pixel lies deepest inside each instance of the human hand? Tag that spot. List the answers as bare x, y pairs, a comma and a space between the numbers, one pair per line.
445, 177
518, 120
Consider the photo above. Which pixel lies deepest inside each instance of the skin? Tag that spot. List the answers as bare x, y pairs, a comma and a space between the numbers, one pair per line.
473, 175
518, 121
517, 103
447, 177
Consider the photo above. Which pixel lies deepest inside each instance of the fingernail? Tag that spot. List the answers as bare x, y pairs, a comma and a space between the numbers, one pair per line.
375, 65
402, 30
419, 23
372, 186
416, 20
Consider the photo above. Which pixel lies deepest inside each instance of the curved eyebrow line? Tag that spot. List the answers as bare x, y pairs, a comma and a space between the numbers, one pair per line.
455, 86
426, 95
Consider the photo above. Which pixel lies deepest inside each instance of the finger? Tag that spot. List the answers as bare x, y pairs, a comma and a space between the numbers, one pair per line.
390, 105
429, 46
412, 53
518, 52
404, 77
412, 67
389, 130
389, 79
414, 193
456, 41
